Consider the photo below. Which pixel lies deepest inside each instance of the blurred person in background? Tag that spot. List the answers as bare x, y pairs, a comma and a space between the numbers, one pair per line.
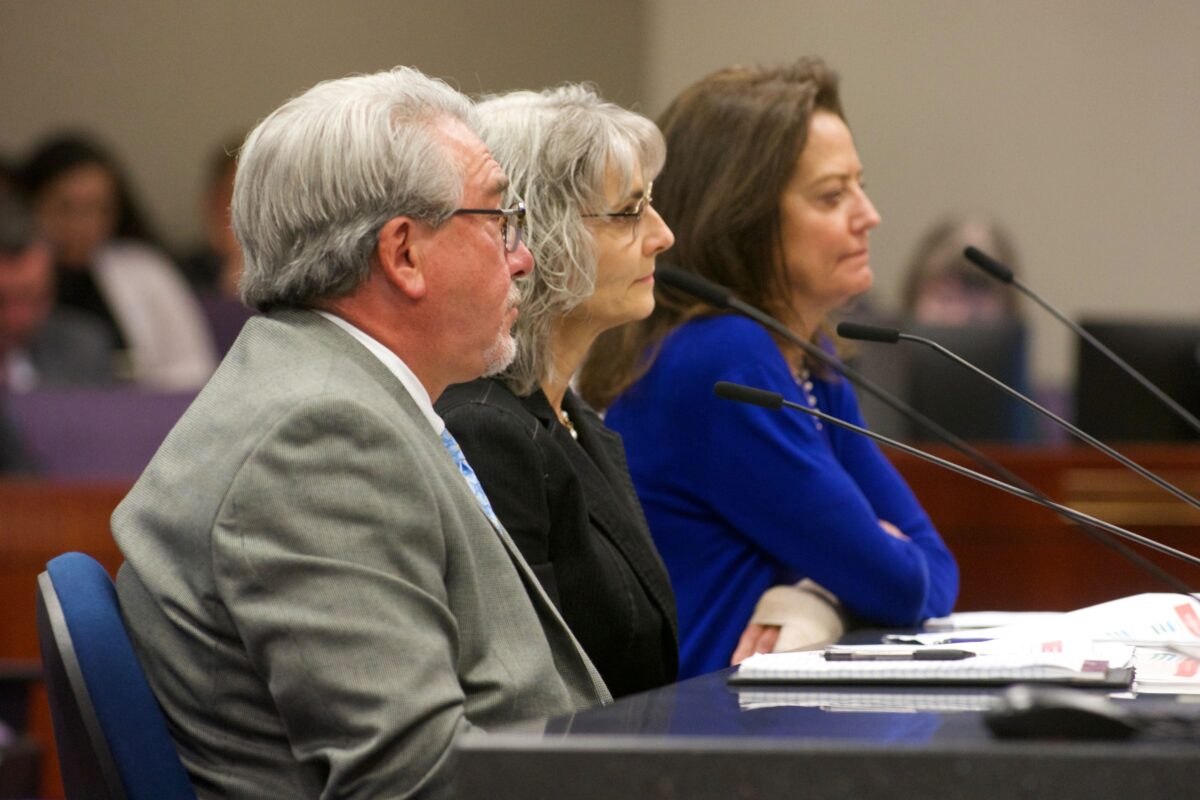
952, 301
41, 345
107, 264
216, 265
215, 268
14, 458
8, 175
942, 288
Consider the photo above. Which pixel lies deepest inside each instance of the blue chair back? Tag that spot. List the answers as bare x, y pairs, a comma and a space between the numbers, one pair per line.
112, 736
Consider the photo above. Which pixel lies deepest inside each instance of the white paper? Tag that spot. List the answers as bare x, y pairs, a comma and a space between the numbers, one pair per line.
973, 620
1153, 617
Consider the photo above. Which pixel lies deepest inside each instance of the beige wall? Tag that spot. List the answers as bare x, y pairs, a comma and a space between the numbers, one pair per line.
164, 82
1076, 123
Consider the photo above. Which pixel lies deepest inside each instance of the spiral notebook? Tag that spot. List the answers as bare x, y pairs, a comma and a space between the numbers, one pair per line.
858, 700
811, 667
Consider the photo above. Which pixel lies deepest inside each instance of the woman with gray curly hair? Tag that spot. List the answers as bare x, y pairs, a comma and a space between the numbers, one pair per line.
554, 473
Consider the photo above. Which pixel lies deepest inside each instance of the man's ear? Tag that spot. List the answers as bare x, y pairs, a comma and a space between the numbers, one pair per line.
396, 252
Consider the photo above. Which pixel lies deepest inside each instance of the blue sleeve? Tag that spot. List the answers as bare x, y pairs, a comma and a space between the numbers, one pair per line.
774, 478
893, 500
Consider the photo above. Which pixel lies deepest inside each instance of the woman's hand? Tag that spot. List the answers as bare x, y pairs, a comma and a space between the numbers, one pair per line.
755, 639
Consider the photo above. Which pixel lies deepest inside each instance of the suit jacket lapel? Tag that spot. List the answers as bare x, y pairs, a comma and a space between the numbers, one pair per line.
542, 603
347, 346
617, 514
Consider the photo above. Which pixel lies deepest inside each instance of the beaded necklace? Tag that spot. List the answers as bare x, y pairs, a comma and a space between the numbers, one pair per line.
804, 381
566, 421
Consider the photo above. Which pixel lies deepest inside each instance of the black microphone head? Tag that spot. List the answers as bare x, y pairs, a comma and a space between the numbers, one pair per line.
712, 293
747, 394
867, 333
988, 264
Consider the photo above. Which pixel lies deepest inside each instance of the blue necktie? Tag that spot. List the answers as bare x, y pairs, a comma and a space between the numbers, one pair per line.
469, 474
527, 575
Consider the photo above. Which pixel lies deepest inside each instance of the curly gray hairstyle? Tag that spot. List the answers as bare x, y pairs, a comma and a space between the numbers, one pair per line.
557, 147
319, 177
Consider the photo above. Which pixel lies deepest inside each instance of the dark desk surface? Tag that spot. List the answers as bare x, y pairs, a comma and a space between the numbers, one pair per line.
702, 739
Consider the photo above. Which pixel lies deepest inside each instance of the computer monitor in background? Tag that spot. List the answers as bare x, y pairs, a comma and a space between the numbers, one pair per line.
965, 403
949, 394
1110, 405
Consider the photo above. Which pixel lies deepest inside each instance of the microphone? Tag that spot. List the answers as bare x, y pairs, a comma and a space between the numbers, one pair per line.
760, 397
1005, 275
868, 333
989, 265
721, 297
714, 294
891, 335
748, 394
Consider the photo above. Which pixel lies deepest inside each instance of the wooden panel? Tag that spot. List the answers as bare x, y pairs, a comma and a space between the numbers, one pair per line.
39, 521
1015, 555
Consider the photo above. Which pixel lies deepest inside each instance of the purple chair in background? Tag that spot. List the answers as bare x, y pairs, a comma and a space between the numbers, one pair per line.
94, 434
225, 317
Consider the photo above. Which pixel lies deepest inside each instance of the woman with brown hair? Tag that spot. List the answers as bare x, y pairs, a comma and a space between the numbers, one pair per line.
763, 189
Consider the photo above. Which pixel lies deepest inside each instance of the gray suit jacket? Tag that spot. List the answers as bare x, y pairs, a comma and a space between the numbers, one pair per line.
319, 602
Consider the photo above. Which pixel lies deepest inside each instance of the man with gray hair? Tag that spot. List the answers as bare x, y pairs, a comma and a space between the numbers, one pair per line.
41, 345
314, 582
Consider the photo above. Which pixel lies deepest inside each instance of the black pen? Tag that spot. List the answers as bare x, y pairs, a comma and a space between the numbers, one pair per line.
941, 654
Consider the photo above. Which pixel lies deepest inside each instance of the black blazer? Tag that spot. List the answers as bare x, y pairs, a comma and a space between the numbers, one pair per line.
571, 508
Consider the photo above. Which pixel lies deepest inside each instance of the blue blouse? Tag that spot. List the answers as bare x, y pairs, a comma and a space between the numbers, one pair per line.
740, 498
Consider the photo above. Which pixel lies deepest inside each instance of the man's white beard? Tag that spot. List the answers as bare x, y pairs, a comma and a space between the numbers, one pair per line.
504, 349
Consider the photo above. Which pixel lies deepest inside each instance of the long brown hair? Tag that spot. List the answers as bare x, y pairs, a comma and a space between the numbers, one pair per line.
733, 141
